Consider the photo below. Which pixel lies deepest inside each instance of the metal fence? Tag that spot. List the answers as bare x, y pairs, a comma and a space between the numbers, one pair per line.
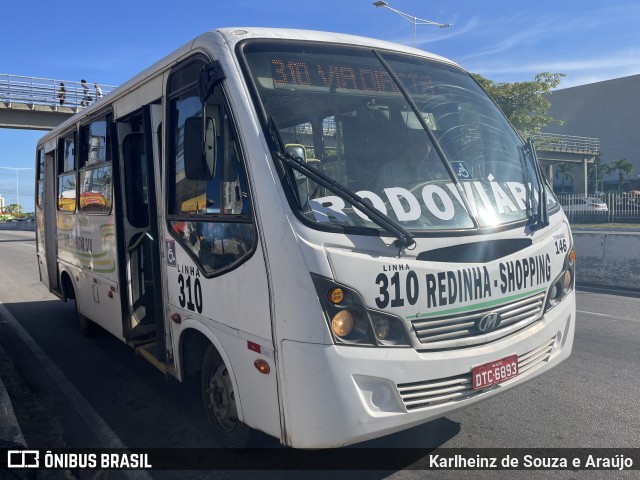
48, 92
602, 208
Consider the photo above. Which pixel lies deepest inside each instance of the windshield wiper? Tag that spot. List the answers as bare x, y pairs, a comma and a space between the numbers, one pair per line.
542, 218
434, 141
404, 238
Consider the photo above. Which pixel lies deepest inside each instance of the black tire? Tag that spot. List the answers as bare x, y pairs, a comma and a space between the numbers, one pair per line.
219, 403
87, 327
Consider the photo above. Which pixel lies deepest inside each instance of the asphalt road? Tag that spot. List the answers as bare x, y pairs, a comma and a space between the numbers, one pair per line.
69, 391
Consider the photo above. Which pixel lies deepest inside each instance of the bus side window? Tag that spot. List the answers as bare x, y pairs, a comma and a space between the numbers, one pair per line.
211, 216
67, 174
95, 189
136, 181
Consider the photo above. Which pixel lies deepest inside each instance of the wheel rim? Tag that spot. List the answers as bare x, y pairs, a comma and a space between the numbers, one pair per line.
222, 399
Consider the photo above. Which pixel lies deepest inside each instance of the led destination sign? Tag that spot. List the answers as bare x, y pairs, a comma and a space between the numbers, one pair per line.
294, 72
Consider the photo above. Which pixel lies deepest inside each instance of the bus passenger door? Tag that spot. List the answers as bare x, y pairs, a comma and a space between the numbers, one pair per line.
143, 321
46, 227
217, 283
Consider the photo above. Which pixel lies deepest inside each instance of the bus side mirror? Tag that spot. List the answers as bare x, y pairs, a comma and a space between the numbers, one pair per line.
297, 150
199, 148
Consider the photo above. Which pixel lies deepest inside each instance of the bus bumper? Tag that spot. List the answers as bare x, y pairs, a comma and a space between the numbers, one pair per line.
340, 395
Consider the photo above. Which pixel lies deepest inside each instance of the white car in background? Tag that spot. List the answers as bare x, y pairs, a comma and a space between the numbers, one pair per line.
583, 205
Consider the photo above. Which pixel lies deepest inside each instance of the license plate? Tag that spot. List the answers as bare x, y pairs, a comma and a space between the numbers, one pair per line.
495, 372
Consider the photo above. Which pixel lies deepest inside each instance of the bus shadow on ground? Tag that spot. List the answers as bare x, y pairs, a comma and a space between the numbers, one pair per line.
406, 450
139, 396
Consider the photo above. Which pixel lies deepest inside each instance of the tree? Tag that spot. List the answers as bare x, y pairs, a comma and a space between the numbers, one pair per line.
566, 171
524, 103
624, 168
596, 172
13, 209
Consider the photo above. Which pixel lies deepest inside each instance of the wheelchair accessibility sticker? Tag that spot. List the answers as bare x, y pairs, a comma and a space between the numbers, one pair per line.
171, 253
461, 170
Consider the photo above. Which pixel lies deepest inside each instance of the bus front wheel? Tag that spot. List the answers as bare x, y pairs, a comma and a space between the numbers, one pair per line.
219, 401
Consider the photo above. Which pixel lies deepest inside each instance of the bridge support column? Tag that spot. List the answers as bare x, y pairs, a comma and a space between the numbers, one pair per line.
550, 174
580, 183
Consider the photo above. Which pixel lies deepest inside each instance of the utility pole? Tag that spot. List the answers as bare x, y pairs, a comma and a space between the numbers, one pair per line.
17, 169
413, 19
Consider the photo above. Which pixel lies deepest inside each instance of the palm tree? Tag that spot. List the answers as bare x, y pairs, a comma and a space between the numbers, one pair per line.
624, 168
566, 171
597, 171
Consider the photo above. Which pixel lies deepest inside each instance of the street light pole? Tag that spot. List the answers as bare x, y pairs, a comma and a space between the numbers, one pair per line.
413, 19
17, 183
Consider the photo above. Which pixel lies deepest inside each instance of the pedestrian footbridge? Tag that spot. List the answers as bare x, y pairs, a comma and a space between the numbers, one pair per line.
34, 103
553, 149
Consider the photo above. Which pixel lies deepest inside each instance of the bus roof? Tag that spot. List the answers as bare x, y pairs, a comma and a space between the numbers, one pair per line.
227, 38
235, 35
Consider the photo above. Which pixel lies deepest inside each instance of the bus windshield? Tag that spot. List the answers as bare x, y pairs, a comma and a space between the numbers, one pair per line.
416, 138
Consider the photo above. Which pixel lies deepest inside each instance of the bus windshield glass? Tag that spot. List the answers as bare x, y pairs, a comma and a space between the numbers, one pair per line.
410, 135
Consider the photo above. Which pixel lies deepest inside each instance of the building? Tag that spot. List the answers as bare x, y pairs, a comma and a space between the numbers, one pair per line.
608, 110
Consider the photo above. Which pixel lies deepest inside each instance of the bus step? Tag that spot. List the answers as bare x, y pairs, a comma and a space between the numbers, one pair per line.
147, 352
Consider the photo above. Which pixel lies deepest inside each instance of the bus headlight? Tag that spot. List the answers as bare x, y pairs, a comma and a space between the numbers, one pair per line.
342, 323
564, 283
381, 328
351, 323
389, 331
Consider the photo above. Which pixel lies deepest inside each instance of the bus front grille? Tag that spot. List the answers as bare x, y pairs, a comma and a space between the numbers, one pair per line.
419, 395
456, 331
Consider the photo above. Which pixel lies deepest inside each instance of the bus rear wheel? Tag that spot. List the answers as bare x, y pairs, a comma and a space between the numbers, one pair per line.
87, 327
219, 401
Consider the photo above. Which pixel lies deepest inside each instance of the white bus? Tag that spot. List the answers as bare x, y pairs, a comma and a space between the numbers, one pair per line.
343, 237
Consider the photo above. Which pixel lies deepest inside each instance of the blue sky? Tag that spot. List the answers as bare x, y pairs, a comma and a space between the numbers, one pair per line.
504, 40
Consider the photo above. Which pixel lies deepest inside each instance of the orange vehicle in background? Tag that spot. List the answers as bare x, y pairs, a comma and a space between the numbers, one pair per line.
94, 201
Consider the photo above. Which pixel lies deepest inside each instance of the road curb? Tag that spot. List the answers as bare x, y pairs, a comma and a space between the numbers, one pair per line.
9, 427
